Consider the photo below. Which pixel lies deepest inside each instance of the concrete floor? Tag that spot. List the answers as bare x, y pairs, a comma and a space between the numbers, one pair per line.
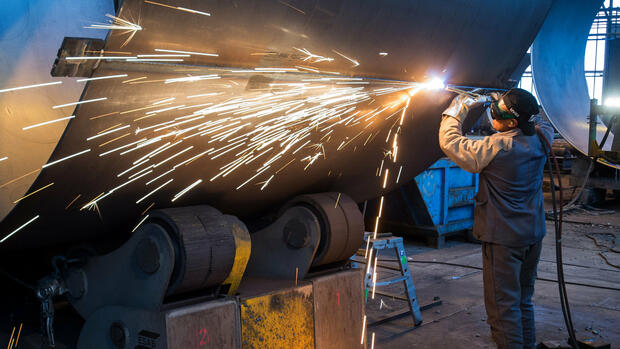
593, 289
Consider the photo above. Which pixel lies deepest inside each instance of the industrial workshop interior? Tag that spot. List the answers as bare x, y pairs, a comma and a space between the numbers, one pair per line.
309, 174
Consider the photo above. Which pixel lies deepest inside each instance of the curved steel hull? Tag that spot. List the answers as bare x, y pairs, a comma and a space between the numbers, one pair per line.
93, 196
558, 69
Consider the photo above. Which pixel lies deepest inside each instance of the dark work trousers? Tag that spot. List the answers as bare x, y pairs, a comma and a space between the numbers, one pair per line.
509, 274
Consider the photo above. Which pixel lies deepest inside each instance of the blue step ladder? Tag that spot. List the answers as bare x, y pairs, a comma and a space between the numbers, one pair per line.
371, 282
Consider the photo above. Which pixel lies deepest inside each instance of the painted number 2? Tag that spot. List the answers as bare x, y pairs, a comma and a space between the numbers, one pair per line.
202, 338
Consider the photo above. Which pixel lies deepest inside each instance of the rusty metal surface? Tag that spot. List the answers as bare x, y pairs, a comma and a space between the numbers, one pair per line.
339, 309
213, 324
282, 319
421, 39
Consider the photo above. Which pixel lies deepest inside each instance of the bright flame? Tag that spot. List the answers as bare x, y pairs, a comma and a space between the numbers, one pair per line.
413, 91
435, 84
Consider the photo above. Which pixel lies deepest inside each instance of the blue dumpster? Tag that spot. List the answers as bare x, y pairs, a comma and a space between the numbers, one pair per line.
439, 202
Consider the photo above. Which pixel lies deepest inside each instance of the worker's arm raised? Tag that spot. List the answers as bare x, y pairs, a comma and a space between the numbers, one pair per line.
471, 155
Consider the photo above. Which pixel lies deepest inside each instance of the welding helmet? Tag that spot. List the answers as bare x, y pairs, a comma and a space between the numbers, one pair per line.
498, 113
518, 104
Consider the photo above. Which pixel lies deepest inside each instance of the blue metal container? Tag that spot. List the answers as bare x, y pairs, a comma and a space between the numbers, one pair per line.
439, 202
448, 193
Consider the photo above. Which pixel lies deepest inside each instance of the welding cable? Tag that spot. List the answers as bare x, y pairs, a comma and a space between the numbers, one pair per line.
583, 185
558, 236
480, 268
571, 205
557, 220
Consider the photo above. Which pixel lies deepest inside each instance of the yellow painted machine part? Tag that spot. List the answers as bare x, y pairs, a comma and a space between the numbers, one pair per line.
281, 320
243, 248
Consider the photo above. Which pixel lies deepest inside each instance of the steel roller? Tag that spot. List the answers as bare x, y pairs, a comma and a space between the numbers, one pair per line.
205, 245
342, 225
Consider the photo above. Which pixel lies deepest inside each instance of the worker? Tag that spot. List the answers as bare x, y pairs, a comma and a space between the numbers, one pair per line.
509, 217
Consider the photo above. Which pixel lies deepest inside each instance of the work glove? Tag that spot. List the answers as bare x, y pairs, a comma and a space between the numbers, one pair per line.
495, 96
461, 104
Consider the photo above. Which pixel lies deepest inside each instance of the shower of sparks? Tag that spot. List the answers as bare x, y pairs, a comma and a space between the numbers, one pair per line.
251, 137
132, 59
163, 56
187, 52
107, 132
65, 158
79, 58
369, 263
114, 139
117, 23
109, 128
367, 247
11, 339
320, 113
194, 11
392, 154
34, 192
164, 100
18, 229
355, 62
148, 208
18, 178
18, 333
291, 6
30, 86
385, 178
363, 330
204, 95
266, 183
193, 78
93, 203
80, 102
177, 8
374, 277
190, 187
72, 201
311, 57
103, 77
153, 191
134, 79
47, 123
140, 223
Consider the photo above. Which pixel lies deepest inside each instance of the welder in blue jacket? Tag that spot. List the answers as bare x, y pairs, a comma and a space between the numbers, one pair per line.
509, 216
